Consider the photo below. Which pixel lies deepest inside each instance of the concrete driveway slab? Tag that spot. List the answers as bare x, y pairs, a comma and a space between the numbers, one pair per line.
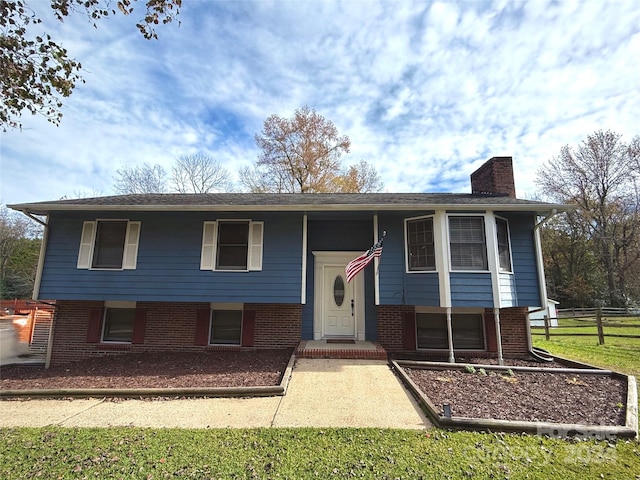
347, 393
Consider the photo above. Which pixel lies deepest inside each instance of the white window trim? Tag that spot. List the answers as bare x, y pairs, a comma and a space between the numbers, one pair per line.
500, 269
88, 242
454, 311
486, 243
115, 304
406, 244
255, 247
225, 306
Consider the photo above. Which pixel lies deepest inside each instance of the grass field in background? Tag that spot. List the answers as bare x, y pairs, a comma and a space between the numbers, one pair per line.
619, 354
303, 453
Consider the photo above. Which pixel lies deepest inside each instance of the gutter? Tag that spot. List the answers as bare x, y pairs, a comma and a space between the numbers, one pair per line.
34, 208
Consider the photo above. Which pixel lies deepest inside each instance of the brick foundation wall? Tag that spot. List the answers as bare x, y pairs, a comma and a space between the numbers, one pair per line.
391, 326
169, 326
277, 325
513, 330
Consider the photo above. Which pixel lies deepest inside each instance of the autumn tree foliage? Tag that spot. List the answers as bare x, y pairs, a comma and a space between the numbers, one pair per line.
37, 72
303, 154
593, 253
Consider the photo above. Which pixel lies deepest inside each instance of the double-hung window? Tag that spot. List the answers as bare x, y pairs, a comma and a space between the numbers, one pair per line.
504, 250
232, 245
420, 247
109, 245
467, 243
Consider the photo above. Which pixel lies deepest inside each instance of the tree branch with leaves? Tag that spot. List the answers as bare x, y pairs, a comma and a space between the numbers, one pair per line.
36, 72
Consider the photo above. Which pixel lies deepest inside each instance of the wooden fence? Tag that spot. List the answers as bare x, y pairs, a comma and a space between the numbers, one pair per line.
588, 318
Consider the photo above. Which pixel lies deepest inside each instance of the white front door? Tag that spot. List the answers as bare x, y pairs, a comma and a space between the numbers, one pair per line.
338, 304
332, 312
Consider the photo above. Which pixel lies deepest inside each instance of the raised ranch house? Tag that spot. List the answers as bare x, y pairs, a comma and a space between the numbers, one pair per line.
458, 274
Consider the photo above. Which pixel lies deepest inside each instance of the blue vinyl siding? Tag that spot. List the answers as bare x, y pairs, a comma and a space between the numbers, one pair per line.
168, 267
397, 287
392, 263
523, 258
340, 235
471, 289
423, 289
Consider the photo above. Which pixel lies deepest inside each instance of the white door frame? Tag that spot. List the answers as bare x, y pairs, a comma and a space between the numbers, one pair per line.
336, 259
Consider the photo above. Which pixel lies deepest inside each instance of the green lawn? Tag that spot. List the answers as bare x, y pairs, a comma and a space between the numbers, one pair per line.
305, 453
620, 354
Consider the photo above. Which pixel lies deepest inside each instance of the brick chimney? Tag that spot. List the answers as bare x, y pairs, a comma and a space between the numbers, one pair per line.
494, 177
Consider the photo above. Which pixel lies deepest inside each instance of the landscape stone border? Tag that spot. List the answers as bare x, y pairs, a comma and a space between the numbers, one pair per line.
211, 392
629, 430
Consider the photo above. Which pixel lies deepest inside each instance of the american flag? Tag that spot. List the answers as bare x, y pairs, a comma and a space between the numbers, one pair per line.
357, 264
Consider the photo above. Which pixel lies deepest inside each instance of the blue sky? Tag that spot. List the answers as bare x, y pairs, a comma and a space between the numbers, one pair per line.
426, 91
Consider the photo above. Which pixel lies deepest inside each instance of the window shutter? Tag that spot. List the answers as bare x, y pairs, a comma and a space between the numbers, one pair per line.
139, 326
86, 244
203, 317
409, 330
131, 246
248, 327
256, 235
94, 329
208, 255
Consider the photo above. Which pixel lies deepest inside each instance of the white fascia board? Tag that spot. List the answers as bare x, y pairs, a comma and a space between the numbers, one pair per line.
42, 209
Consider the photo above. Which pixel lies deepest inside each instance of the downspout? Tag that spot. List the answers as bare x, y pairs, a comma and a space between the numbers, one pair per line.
43, 251
38, 280
542, 282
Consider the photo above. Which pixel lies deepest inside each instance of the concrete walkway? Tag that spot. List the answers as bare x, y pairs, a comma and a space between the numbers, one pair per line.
321, 393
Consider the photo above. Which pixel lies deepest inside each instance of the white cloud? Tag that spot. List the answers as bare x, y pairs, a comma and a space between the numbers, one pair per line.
426, 92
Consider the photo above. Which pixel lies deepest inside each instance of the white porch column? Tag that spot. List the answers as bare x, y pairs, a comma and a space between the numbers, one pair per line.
452, 358
496, 318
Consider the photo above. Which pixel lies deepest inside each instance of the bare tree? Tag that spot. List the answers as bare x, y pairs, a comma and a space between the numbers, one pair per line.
601, 177
144, 179
361, 177
200, 173
298, 155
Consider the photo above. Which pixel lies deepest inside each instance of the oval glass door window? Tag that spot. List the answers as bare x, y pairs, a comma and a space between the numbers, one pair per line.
338, 290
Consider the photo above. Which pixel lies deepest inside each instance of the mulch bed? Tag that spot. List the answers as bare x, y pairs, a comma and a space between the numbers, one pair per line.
549, 397
155, 370
584, 399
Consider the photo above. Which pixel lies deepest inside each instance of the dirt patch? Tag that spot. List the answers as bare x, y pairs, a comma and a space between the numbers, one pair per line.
156, 370
535, 397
